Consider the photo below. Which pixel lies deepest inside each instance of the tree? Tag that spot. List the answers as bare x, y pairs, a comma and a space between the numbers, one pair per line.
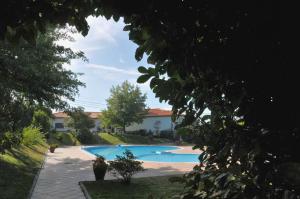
33, 75
42, 120
82, 124
28, 18
230, 58
125, 106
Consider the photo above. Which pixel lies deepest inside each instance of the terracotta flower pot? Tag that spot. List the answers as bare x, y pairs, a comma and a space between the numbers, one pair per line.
52, 149
99, 168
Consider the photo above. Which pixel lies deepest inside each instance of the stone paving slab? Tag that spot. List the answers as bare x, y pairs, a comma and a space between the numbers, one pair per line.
69, 165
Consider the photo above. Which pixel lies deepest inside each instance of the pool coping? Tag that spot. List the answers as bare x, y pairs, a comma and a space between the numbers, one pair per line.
180, 148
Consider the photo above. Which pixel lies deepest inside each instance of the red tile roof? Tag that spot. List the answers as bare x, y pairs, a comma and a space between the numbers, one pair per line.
155, 112
60, 114
93, 115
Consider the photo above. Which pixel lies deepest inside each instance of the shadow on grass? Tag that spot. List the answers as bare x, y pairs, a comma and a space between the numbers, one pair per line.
148, 187
17, 170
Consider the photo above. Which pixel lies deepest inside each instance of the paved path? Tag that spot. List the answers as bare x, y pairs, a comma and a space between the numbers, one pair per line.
68, 165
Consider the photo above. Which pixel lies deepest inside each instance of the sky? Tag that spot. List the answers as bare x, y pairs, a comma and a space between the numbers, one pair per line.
111, 62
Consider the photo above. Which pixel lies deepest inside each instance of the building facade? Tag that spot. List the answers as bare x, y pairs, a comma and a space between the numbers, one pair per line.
60, 121
156, 121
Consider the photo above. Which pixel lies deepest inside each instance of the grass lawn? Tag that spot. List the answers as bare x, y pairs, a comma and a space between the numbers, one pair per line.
106, 138
62, 138
157, 187
17, 170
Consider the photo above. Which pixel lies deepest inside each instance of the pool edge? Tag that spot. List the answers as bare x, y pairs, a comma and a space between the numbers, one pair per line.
82, 148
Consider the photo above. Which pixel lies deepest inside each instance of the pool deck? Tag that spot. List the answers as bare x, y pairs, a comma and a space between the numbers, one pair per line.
69, 165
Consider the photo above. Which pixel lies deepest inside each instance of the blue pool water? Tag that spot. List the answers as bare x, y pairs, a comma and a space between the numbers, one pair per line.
144, 153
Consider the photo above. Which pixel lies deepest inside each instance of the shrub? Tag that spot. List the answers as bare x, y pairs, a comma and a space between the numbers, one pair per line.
42, 120
125, 166
8, 140
185, 133
99, 167
53, 145
169, 134
85, 136
150, 132
141, 132
59, 137
32, 136
132, 132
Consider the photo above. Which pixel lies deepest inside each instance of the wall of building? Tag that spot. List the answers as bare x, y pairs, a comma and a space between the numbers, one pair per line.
66, 128
97, 125
154, 124
62, 121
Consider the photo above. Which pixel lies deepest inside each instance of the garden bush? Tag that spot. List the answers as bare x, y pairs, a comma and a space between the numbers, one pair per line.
58, 136
32, 136
85, 136
141, 132
8, 140
169, 134
186, 134
125, 166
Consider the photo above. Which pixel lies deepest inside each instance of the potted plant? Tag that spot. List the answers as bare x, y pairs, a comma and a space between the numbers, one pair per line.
99, 167
53, 147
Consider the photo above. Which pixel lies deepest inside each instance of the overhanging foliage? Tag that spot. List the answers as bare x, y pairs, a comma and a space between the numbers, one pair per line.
230, 57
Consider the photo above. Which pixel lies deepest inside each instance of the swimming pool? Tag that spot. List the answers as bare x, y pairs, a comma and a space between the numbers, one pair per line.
144, 153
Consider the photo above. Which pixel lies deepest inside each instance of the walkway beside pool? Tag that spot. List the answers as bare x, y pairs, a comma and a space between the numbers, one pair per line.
63, 170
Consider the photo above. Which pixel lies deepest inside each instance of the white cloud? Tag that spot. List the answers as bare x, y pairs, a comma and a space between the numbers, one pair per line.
106, 44
102, 33
113, 69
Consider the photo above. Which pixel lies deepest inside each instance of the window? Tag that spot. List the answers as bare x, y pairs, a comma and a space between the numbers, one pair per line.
59, 125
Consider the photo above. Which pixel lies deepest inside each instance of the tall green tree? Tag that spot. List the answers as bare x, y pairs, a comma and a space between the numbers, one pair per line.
81, 123
42, 120
33, 75
125, 106
79, 119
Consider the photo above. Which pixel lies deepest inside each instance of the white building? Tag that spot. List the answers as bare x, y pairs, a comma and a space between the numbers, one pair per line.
156, 120
59, 122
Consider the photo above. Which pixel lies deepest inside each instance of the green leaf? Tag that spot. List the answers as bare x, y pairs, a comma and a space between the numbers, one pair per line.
127, 28
154, 82
143, 78
116, 17
142, 69
139, 53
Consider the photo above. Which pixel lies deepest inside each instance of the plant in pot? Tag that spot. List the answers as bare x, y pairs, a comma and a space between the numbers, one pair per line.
99, 167
53, 147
